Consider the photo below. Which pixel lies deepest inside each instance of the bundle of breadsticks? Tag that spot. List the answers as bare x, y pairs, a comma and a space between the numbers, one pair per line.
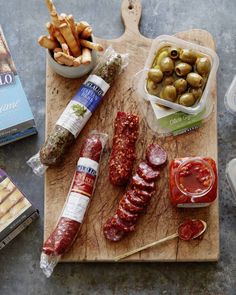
69, 41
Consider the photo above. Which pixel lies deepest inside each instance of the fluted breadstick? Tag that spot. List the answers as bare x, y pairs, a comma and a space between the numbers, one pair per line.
50, 6
48, 43
65, 48
81, 26
63, 58
86, 56
91, 45
87, 32
71, 21
70, 39
59, 37
55, 19
50, 29
58, 49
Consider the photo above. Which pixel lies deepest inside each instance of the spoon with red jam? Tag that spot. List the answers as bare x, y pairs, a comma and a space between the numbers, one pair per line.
188, 230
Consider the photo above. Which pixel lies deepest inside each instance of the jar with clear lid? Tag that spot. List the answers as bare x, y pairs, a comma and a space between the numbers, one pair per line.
193, 182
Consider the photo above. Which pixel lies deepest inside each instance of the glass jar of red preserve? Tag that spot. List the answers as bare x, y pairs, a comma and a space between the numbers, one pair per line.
193, 182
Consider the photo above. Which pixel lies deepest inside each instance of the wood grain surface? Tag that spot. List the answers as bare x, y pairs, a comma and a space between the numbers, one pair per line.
161, 218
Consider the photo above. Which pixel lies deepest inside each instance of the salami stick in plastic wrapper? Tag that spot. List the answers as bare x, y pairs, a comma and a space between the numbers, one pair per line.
83, 184
78, 111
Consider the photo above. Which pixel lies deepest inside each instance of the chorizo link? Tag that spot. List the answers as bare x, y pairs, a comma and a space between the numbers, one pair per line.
123, 148
81, 190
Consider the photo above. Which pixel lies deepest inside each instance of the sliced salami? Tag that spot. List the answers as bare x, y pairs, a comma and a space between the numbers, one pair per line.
128, 206
155, 155
140, 183
144, 195
111, 232
147, 173
142, 187
135, 198
122, 224
126, 215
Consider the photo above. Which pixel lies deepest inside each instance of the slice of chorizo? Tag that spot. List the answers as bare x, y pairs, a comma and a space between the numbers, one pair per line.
142, 184
128, 206
111, 232
144, 195
147, 173
126, 215
126, 226
155, 155
135, 198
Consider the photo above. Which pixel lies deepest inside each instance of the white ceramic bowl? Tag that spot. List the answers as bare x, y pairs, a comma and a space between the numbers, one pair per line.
71, 72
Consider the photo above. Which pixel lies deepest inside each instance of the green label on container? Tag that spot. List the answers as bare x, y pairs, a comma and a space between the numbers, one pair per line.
176, 122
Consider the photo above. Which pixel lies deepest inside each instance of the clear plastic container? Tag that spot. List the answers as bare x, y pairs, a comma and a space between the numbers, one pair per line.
193, 182
173, 119
230, 97
231, 176
166, 40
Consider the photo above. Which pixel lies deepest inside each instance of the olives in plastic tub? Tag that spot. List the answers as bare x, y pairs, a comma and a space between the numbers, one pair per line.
230, 97
165, 121
173, 59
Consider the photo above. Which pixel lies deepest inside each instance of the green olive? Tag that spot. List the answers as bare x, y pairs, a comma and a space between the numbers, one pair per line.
162, 55
188, 55
155, 75
167, 65
197, 92
173, 52
152, 88
203, 65
187, 99
180, 85
168, 80
182, 69
169, 93
194, 80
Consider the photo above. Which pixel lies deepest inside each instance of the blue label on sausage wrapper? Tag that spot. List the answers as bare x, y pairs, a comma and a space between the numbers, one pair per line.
83, 104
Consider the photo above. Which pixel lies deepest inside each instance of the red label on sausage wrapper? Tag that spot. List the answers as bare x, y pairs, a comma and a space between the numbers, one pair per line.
85, 176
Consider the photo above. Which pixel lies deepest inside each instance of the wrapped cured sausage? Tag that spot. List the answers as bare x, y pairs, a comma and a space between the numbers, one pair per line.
83, 184
78, 111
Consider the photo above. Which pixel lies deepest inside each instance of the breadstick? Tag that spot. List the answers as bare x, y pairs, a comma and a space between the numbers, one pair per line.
87, 32
58, 49
51, 30
59, 37
71, 21
86, 56
55, 19
63, 18
77, 61
50, 6
50, 44
56, 58
65, 48
70, 40
91, 45
81, 26
64, 58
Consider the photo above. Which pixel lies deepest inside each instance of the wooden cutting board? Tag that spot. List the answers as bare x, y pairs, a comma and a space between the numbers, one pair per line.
161, 218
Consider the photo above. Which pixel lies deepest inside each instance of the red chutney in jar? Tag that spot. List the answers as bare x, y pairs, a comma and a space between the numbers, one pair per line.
193, 182
190, 229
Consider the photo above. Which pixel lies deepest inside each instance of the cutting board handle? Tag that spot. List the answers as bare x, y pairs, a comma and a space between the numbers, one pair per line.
131, 13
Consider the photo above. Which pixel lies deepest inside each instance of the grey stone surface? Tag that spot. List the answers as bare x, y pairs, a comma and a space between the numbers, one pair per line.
23, 21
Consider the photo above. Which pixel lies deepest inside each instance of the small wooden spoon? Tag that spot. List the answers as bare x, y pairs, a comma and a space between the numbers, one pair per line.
175, 235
